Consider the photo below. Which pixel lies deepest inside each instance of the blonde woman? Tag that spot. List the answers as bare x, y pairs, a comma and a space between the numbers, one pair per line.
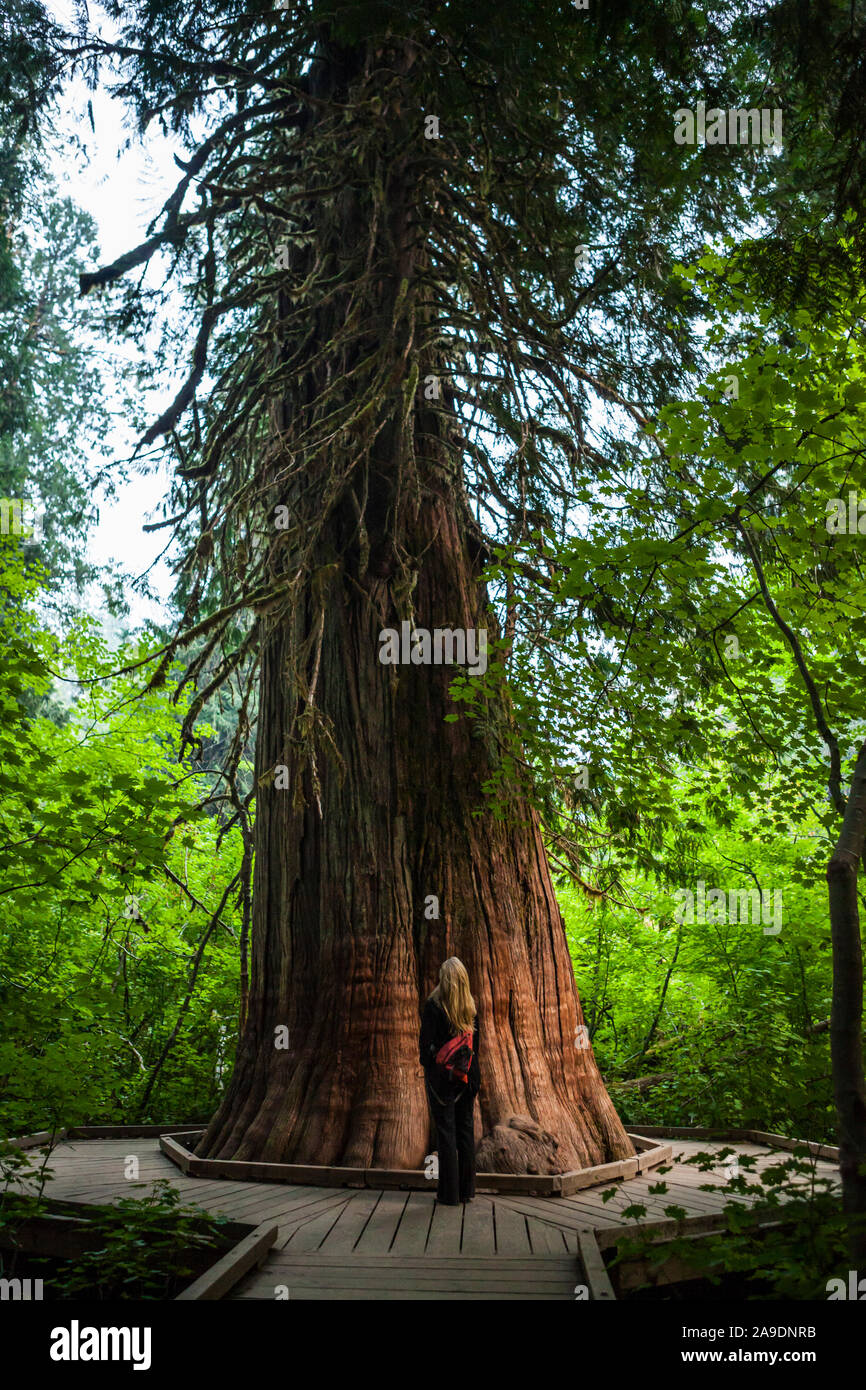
449, 1056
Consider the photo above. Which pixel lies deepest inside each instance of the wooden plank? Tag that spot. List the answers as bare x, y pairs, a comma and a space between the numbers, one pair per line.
176, 1152
654, 1157
385, 1277
115, 1167
571, 1212
478, 1236
311, 1233
445, 1230
535, 1184
663, 1230
512, 1237
347, 1295
65, 1156
77, 1181
641, 1141
88, 1177
85, 1146
37, 1139
601, 1173
62, 1159
206, 1193
528, 1265
288, 1197
689, 1196
411, 1238
355, 1215
689, 1179
107, 1194
299, 1212
222, 1276
265, 1202
249, 1171
74, 1162
93, 1191
381, 1229
565, 1219
545, 1239
432, 1280
240, 1210
317, 1200
400, 1178
594, 1268
389, 1291
639, 1189
115, 1189
694, 1133
58, 1192
131, 1131
690, 1132
692, 1228
297, 1216
780, 1141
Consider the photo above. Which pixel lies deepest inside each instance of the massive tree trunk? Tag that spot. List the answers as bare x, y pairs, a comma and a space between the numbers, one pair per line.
382, 814
343, 954
846, 1018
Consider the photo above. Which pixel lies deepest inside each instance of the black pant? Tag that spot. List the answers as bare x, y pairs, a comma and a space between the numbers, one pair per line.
455, 1144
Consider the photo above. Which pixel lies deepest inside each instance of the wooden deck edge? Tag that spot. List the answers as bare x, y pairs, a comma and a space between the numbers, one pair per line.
749, 1136
130, 1131
34, 1141
601, 1289
636, 1271
640, 1141
689, 1132
216, 1282
781, 1141
670, 1229
537, 1185
650, 1153
581, 1178
175, 1151
43, 1136
662, 1153
529, 1184
606, 1237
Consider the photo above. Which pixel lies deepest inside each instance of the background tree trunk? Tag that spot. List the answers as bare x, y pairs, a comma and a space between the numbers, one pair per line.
846, 1016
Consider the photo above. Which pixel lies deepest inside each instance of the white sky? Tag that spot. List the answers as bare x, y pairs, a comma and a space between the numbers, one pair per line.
122, 188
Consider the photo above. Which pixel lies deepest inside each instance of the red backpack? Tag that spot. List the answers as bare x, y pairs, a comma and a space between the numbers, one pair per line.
456, 1057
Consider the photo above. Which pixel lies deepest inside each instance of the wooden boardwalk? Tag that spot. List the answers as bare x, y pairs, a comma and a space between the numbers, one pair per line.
343, 1243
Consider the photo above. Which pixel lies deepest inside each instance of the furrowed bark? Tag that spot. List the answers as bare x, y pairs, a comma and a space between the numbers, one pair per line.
342, 952
846, 1015
384, 807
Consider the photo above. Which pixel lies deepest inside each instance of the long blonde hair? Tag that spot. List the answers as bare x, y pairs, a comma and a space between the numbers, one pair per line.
453, 993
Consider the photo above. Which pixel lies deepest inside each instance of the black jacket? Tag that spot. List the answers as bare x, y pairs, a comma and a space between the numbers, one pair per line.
436, 1029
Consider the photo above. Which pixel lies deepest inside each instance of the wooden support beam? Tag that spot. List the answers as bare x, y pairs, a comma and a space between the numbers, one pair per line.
249, 1253
600, 1288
